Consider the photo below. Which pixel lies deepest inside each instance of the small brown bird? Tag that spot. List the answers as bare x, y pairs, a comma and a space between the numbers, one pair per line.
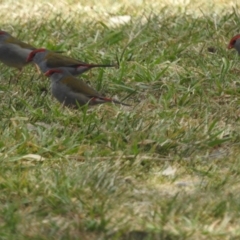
47, 60
73, 92
13, 52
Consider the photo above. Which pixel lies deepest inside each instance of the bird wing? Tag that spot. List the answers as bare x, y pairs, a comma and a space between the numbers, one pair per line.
20, 43
79, 86
57, 60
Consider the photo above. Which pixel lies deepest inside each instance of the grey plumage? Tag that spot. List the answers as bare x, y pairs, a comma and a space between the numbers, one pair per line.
47, 60
73, 92
13, 52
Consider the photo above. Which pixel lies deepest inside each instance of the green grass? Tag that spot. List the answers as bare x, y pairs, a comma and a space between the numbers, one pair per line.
165, 168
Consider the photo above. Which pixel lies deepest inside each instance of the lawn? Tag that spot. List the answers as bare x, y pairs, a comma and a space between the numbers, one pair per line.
167, 167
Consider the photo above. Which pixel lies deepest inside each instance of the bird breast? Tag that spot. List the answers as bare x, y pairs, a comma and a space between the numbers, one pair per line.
13, 55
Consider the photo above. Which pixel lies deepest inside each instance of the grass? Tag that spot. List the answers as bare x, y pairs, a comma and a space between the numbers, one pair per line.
165, 168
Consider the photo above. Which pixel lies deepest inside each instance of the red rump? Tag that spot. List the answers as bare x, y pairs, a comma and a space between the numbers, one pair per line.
95, 99
51, 71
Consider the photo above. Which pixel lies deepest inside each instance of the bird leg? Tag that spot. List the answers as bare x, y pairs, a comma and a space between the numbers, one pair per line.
37, 68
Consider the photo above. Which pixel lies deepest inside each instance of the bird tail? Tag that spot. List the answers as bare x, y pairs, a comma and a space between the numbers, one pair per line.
88, 65
99, 100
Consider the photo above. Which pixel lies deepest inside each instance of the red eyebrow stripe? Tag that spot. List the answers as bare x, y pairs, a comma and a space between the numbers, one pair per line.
232, 41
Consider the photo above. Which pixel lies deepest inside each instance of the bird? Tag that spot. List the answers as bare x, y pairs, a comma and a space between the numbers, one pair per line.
47, 60
13, 52
235, 43
73, 92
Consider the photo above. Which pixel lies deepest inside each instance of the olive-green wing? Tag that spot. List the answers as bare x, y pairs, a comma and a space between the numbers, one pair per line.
57, 60
79, 86
20, 43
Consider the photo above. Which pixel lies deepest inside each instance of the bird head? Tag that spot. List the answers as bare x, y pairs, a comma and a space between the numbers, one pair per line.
33, 53
52, 71
2, 32
4, 35
233, 41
